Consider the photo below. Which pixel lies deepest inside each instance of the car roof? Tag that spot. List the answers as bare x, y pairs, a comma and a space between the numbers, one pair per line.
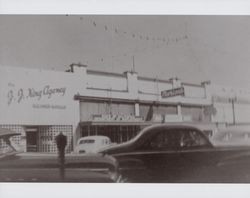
173, 126
6, 133
167, 126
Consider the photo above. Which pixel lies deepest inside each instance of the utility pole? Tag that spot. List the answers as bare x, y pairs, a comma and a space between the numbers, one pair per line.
133, 64
232, 100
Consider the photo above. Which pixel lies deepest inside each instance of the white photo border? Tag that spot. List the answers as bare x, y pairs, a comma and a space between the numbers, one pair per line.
124, 7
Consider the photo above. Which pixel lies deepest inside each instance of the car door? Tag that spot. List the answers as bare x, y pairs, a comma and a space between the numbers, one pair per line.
160, 157
198, 157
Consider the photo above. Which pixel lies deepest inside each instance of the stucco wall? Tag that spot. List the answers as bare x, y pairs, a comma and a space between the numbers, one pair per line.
106, 82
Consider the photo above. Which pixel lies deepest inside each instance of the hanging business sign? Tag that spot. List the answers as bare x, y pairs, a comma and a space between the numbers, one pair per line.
173, 92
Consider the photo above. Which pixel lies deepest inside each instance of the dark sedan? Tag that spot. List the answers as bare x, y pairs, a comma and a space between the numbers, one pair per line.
25, 167
180, 153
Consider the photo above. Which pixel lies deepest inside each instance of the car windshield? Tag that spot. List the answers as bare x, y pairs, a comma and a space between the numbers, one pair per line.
88, 141
235, 137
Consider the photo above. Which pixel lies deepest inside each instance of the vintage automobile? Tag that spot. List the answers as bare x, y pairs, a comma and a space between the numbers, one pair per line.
25, 167
179, 153
91, 144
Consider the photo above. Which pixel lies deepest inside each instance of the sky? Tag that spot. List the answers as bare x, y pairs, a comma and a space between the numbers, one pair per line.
191, 48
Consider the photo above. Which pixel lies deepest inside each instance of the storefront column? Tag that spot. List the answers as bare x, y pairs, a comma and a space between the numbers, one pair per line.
179, 110
132, 80
80, 71
207, 90
137, 109
76, 130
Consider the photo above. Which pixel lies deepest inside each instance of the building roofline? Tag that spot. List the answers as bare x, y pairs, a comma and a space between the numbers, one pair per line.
96, 72
153, 79
123, 75
192, 84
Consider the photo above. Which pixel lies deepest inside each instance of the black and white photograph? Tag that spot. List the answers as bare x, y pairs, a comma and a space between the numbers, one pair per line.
124, 98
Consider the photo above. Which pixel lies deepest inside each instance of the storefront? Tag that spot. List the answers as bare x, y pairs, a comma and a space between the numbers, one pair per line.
122, 119
38, 105
115, 119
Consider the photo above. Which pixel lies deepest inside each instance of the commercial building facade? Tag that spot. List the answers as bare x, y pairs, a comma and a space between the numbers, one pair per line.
40, 103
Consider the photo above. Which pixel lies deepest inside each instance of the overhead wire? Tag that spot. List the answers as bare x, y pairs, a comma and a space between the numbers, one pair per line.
149, 43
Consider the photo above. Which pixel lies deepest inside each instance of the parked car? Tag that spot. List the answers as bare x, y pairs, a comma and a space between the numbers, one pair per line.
179, 153
25, 167
232, 136
91, 144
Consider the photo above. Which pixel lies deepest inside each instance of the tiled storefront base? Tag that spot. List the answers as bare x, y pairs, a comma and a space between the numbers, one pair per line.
47, 134
45, 137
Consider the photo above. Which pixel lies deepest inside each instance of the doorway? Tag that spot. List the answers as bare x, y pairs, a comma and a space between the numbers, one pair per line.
31, 139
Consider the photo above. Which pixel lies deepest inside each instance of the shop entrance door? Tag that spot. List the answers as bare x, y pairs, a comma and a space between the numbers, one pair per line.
31, 138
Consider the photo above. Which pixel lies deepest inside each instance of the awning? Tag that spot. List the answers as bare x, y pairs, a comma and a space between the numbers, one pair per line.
200, 125
107, 123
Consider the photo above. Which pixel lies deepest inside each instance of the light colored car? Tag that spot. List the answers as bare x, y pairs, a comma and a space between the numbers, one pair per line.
91, 144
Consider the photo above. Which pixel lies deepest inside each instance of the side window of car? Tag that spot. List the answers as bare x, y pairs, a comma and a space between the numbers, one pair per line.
192, 139
163, 140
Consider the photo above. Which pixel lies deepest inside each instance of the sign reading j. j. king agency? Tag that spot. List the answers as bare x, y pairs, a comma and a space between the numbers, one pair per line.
36, 97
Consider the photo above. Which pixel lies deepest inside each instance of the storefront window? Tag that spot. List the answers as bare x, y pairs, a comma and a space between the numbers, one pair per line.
90, 109
146, 110
117, 134
195, 113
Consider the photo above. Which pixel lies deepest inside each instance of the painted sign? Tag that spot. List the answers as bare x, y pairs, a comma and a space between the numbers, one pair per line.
118, 118
173, 92
31, 93
38, 97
